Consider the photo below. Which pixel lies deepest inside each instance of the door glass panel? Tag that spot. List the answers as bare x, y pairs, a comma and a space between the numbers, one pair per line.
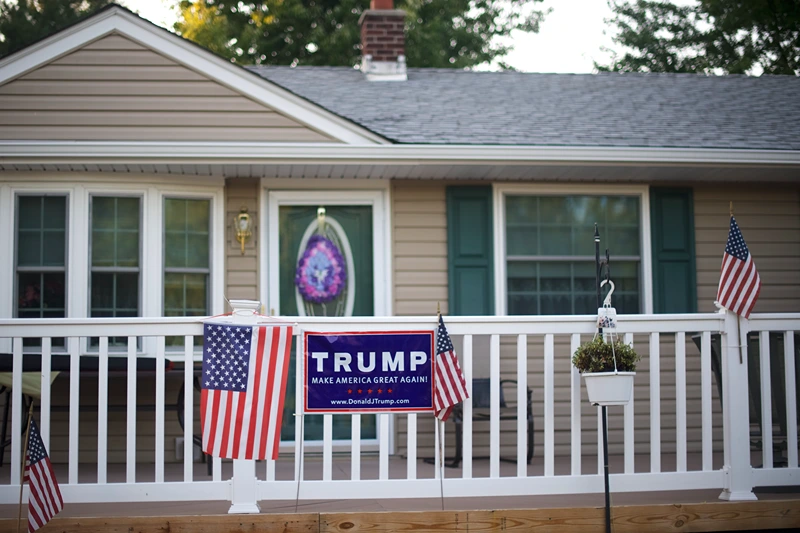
326, 269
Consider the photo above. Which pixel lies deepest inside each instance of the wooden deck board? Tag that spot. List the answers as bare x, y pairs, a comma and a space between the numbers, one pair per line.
695, 517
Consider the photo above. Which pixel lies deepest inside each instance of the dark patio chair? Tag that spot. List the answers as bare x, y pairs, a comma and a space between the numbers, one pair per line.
481, 403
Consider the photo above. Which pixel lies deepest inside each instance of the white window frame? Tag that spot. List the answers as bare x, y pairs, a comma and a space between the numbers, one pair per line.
78, 191
501, 191
277, 193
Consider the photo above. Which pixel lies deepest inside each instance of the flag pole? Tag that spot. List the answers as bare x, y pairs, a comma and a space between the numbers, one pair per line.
439, 436
22, 471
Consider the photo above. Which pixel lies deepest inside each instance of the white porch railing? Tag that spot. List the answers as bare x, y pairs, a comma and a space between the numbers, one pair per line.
528, 343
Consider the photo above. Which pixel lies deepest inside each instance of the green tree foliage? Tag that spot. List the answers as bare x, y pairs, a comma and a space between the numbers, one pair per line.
440, 33
23, 22
713, 36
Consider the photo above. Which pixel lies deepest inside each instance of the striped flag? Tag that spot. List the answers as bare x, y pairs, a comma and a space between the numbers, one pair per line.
44, 500
739, 282
450, 386
243, 384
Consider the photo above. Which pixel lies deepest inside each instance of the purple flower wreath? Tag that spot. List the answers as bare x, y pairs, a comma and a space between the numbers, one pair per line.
321, 271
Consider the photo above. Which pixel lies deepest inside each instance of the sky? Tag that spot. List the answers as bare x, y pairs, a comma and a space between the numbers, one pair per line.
570, 39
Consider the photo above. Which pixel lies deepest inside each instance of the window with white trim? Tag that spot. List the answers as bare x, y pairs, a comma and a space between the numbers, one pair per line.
550, 257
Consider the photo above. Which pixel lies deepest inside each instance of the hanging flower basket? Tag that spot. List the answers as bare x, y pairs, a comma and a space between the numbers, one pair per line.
609, 388
608, 369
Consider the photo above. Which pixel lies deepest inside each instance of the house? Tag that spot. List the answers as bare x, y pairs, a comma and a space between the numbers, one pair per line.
128, 154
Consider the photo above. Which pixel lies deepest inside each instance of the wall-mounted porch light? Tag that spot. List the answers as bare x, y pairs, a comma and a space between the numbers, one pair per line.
242, 224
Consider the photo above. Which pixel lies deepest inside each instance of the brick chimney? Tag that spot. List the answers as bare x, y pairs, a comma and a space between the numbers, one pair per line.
383, 42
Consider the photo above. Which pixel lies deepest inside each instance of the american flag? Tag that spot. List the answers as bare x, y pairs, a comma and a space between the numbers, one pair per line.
451, 388
243, 384
44, 500
739, 282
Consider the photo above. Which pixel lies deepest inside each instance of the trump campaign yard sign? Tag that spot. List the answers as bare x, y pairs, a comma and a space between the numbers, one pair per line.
368, 372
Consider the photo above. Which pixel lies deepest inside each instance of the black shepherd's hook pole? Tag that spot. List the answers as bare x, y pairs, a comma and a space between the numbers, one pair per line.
598, 268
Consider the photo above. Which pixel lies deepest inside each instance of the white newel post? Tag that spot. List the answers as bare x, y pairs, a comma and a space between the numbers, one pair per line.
243, 483
736, 411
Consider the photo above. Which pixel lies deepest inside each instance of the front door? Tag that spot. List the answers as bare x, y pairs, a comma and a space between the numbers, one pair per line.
326, 254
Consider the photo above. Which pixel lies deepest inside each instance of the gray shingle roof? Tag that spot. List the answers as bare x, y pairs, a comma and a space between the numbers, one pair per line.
441, 106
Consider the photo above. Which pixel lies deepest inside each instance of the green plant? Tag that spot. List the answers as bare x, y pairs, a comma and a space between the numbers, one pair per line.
597, 356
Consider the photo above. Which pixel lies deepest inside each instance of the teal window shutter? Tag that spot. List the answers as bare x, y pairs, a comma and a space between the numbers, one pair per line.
470, 250
674, 261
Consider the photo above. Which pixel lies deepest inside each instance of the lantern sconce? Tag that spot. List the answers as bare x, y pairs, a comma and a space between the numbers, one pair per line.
242, 223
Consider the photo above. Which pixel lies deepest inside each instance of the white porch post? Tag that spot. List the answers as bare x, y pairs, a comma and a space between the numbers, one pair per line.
243, 483
736, 411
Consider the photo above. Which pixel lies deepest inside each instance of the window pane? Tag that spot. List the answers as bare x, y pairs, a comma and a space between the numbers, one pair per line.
128, 214
174, 250
55, 212
198, 251
40, 294
175, 214
186, 233
41, 234
127, 249
102, 294
103, 213
115, 294
54, 247
197, 215
29, 248
185, 294
29, 212
115, 232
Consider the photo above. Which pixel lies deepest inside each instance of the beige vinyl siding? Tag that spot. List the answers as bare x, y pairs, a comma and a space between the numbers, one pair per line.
419, 234
241, 272
769, 217
115, 89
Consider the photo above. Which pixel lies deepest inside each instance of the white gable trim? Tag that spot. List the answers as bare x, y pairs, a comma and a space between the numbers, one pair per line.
191, 56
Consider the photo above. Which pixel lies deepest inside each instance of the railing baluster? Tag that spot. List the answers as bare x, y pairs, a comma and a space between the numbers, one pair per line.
16, 411
680, 401
494, 411
188, 408
355, 447
629, 420
466, 427
575, 409
411, 446
549, 403
327, 447
383, 446
270, 466
160, 360
655, 404
766, 400
130, 455
74, 406
522, 405
705, 400
791, 398
216, 469
44, 406
102, 411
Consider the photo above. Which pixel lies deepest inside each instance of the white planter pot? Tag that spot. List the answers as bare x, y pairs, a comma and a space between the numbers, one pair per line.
608, 388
